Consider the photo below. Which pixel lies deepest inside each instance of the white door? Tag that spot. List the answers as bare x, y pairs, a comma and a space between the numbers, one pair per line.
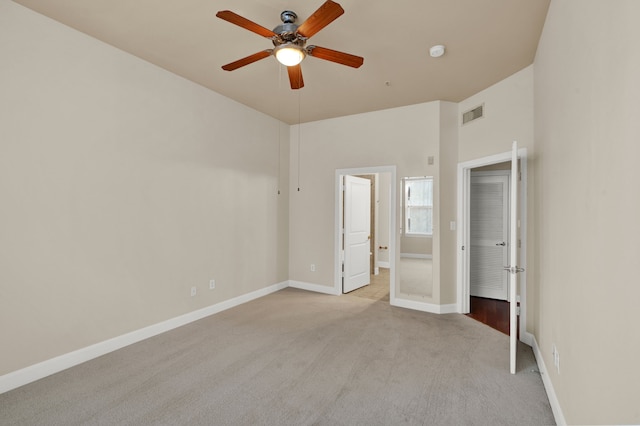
489, 233
357, 226
512, 267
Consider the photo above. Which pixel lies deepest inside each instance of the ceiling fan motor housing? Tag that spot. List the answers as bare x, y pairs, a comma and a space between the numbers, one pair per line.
288, 17
287, 31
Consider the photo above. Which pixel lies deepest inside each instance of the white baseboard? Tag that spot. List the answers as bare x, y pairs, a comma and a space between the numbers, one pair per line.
548, 386
383, 265
527, 338
314, 287
46, 368
425, 307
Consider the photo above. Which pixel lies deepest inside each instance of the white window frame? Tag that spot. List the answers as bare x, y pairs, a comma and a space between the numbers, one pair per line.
405, 210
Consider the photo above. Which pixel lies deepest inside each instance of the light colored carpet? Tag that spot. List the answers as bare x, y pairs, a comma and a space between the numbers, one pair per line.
378, 288
298, 358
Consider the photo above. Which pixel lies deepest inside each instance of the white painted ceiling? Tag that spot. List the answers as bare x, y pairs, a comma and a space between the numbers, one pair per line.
486, 41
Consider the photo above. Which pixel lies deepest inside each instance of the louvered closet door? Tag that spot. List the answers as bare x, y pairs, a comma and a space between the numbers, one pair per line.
489, 251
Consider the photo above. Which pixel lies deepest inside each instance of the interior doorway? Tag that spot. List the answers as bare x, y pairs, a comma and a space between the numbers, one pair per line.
489, 308
382, 248
489, 233
356, 233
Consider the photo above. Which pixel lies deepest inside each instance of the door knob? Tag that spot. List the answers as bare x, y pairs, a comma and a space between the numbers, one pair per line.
501, 244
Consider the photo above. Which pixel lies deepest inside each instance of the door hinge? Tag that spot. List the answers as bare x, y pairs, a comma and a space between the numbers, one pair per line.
518, 310
519, 243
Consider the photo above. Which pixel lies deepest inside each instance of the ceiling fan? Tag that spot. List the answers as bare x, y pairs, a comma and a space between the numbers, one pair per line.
290, 39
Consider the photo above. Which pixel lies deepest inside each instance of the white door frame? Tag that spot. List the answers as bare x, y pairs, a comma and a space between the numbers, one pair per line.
464, 179
337, 286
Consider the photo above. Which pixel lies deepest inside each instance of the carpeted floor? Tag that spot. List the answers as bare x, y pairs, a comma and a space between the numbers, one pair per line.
377, 289
298, 358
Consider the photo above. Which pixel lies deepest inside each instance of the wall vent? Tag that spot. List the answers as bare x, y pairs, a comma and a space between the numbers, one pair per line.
473, 114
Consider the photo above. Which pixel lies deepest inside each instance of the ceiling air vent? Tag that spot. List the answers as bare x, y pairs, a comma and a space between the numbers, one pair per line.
473, 114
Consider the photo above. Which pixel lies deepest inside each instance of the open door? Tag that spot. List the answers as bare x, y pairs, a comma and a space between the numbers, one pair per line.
357, 227
513, 269
517, 234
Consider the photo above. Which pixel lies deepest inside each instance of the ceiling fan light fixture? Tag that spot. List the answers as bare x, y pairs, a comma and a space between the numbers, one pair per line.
289, 54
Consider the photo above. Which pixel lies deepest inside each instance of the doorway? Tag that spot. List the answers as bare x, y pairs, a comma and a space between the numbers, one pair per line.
489, 233
490, 310
488, 251
385, 212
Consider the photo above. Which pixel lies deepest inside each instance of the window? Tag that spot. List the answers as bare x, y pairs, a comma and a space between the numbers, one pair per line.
418, 202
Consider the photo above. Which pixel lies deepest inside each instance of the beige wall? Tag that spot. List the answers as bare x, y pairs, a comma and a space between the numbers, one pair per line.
123, 186
402, 136
416, 245
508, 116
508, 108
587, 93
449, 134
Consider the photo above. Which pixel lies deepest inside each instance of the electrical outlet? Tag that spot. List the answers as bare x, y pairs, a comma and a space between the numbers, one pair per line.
313, 267
194, 290
556, 357
212, 284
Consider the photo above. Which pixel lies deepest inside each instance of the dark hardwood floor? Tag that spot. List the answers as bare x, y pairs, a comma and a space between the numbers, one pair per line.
494, 313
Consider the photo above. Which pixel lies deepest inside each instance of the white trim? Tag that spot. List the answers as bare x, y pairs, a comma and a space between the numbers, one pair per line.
416, 235
383, 264
54, 365
548, 386
317, 288
425, 307
505, 172
526, 337
462, 269
416, 256
523, 244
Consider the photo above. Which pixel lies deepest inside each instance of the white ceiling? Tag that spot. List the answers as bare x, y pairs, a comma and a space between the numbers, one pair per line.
486, 41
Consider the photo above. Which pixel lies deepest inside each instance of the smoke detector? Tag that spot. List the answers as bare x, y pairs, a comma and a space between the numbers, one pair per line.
436, 51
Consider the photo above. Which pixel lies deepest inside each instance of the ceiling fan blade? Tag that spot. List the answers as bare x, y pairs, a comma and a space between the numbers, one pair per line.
236, 19
248, 60
326, 14
295, 77
335, 56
